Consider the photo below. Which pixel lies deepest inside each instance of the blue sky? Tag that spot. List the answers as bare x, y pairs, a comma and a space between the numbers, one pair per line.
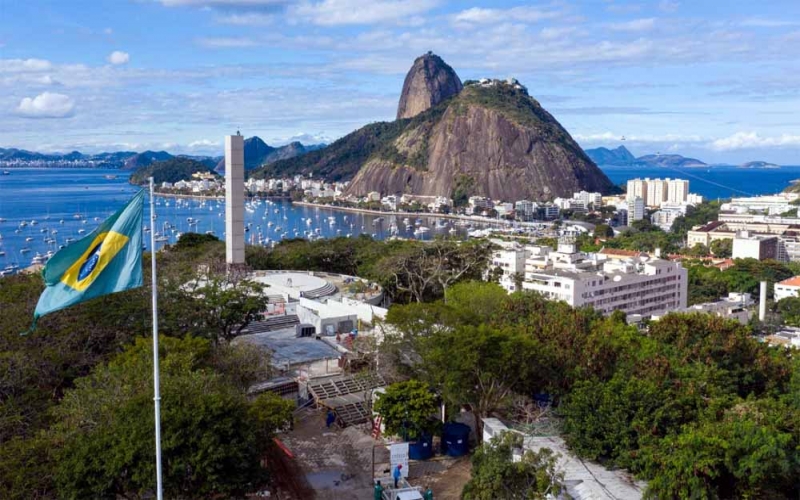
718, 80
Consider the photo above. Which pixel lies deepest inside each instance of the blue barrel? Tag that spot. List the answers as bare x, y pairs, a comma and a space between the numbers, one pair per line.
421, 449
455, 439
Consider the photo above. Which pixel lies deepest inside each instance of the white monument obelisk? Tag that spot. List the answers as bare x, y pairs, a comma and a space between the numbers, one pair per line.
234, 200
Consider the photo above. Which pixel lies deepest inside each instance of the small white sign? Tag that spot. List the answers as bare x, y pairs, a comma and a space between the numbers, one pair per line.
399, 455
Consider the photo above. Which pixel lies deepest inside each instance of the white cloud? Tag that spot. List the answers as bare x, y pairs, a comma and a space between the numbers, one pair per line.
342, 12
479, 15
636, 25
604, 137
550, 33
625, 8
24, 65
668, 6
204, 144
224, 3
737, 141
226, 42
744, 140
108, 31
118, 57
761, 22
306, 139
247, 19
46, 105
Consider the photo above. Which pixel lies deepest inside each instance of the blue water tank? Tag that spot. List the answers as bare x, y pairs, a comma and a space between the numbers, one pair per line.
455, 439
421, 449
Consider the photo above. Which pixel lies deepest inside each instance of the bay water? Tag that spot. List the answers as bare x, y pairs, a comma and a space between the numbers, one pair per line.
42, 210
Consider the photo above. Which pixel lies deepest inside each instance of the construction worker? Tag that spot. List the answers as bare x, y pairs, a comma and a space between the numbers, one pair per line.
428, 495
378, 491
330, 419
396, 474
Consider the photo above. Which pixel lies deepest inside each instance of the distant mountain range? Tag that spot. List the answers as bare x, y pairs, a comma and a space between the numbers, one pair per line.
13, 157
620, 156
257, 153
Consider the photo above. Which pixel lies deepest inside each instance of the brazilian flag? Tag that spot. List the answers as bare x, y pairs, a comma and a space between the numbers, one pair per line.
106, 261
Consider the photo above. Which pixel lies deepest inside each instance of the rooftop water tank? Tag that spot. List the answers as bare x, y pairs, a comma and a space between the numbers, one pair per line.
421, 449
455, 439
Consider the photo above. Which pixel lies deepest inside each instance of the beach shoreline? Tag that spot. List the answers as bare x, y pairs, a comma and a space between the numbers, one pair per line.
470, 218
220, 197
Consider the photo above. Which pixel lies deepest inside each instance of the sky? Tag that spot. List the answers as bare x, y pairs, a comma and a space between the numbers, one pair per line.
716, 80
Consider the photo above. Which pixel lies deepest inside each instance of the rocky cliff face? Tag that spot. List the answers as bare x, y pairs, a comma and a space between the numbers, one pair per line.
493, 141
429, 82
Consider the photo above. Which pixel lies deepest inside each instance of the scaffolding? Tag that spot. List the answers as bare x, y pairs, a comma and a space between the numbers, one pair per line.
346, 396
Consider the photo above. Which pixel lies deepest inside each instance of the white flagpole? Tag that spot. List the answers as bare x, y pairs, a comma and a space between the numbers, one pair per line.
156, 383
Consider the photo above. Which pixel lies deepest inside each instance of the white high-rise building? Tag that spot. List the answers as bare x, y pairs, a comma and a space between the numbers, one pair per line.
637, 188
635, 209
656, 192
677, 191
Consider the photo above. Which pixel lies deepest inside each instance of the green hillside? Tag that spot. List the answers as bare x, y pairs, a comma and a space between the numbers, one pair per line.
342, 159
172, 170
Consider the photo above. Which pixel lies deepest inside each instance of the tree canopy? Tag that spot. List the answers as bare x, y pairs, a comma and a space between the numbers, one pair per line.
666, 404
495, 473
408, 409
213, 437
72, 360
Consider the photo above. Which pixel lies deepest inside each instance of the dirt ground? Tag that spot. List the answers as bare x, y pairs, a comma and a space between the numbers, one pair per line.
447, 485
338, 463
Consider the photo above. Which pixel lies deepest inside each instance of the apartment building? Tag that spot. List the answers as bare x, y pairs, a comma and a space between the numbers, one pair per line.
641, 285
635, 209
655, 192
637, 188
510, 257
666, 216
587, 198
525, 208
678, 191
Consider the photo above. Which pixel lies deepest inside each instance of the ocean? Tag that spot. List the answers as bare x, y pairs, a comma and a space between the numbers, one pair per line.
714, 182
57, 206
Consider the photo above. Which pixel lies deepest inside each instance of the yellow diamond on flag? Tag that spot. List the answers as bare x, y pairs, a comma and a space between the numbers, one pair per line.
96, 257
